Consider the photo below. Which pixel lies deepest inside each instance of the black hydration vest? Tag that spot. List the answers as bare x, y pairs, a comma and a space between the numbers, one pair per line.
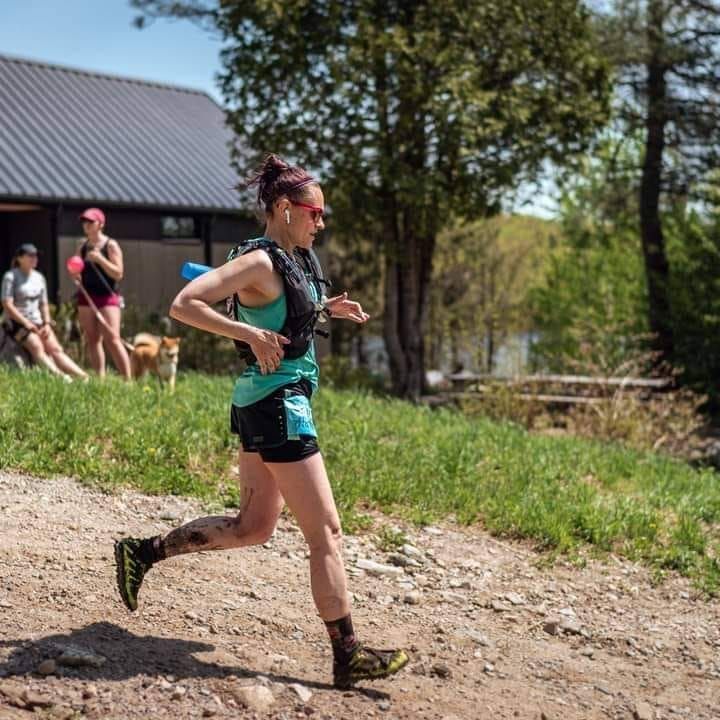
303, 312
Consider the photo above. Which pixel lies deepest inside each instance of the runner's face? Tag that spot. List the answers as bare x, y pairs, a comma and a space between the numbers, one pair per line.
306, 222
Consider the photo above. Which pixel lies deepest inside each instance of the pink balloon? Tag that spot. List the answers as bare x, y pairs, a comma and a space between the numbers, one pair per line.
75, 264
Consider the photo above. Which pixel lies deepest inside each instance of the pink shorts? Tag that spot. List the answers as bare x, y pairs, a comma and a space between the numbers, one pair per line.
100, 301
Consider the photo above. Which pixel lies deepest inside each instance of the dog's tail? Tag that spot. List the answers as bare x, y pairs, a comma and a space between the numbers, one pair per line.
144, 338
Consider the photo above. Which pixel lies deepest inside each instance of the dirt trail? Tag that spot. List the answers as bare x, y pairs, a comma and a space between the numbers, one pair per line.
234, 634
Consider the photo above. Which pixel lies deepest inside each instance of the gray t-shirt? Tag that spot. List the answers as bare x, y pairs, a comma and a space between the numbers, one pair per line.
28, 292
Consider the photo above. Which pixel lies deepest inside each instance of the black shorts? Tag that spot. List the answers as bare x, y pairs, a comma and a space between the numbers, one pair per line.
263, 426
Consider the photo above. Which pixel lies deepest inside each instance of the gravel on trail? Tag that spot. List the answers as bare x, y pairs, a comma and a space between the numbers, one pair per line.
492, 632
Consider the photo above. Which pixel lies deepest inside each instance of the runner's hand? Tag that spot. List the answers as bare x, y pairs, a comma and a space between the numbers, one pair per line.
340, 307
267, 346
94, 256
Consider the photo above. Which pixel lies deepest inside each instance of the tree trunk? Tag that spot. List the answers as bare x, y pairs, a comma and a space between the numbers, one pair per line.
490, 348
653, 243
408, 239
407, 276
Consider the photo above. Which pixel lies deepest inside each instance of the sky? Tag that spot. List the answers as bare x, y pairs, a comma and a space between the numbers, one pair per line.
98, 35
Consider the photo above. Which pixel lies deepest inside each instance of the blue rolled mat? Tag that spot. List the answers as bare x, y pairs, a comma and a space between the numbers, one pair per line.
191, 270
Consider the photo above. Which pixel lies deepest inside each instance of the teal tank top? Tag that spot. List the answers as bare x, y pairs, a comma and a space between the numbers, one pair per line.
252, 385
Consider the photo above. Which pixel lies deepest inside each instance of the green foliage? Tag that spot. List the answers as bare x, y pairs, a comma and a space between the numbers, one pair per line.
591, 306
451, 89
667, 60
671, 38
563, 493
694, 254
111, 432
412, 112
479, 285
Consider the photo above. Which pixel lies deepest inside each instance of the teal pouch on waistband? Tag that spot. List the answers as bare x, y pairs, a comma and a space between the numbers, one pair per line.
299, 416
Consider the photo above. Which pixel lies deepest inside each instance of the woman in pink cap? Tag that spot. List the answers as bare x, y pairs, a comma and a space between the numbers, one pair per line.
101, 274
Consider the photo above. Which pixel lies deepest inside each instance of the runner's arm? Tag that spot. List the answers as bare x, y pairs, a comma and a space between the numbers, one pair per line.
193, 304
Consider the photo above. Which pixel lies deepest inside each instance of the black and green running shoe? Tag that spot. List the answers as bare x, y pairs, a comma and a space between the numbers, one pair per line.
368, 664
129, 570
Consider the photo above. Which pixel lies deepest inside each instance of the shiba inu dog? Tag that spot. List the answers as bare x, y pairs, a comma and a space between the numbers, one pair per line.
158, 355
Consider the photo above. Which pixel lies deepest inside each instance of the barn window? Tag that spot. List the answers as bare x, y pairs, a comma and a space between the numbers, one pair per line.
177, 227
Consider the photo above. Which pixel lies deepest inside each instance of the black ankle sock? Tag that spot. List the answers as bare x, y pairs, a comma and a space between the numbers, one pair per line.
342, 637
151, 550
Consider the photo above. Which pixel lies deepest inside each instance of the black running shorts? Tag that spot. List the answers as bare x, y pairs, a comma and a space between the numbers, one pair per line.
263, 426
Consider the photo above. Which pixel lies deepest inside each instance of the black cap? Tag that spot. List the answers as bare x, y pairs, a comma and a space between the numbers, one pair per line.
26, 249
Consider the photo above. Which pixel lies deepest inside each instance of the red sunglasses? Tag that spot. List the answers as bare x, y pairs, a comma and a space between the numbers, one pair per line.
315, 211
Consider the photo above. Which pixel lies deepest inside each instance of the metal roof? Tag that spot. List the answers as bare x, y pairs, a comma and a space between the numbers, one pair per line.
72, 135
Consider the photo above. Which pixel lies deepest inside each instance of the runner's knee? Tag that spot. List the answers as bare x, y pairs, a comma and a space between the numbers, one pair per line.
262, 534
326, 539
252, 531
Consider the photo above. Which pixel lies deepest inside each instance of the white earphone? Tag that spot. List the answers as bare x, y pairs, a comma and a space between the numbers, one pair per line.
287, 216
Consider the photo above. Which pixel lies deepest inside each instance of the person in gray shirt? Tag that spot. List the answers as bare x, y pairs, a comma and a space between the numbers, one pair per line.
26, 314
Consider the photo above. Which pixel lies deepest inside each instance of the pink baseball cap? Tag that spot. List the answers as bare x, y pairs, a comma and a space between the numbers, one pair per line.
94, 215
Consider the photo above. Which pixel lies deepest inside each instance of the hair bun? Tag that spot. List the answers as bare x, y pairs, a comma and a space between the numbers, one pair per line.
272, 167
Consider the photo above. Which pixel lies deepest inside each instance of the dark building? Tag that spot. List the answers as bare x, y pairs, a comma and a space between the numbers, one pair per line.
155, 158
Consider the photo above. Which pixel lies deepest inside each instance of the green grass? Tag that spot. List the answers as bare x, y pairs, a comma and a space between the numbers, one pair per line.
567, 495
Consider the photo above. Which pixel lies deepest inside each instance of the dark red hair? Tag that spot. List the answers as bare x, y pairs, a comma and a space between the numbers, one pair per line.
275, 178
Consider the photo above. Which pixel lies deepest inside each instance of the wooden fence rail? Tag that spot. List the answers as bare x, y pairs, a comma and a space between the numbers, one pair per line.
551, 390
467, 378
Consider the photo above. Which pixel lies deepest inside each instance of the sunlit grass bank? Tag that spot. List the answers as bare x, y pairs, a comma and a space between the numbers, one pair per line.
564, 494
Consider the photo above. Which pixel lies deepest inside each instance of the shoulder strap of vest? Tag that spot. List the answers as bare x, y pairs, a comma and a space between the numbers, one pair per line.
286, 266
250, 245
233, 303
311, 264
282, 264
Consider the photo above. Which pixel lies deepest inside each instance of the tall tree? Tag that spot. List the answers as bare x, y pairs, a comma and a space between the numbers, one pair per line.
413, 109
667, 53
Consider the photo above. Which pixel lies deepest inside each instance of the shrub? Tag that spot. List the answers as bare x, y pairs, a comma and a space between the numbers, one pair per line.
668, 422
